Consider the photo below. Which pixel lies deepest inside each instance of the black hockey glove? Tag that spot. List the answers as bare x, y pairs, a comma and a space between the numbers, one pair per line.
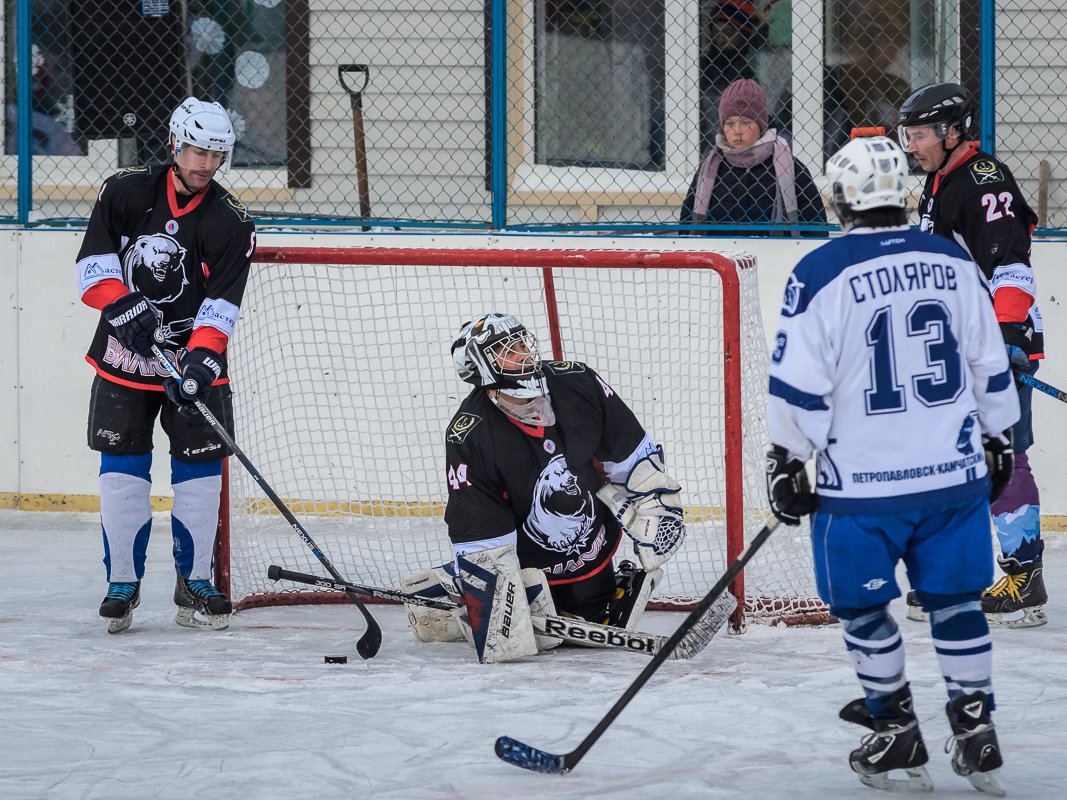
199, 369
135, 321
1000, 461
788, 489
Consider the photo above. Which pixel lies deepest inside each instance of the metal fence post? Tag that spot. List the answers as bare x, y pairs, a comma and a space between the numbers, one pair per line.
499, 115
987, 63
24, 56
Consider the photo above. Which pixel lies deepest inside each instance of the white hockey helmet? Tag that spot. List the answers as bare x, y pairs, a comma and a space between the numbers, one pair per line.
498, 352
205, 125
869, 172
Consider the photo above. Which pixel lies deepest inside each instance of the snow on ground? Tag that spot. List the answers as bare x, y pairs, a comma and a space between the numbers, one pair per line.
253, 712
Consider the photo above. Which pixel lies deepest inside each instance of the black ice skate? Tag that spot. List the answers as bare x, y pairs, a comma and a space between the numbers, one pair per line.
117, 607
973, 744
1016, 600
895, 744
915, 608
201, 605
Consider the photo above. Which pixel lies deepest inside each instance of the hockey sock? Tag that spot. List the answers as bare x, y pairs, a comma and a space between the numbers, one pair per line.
876, 650
964, 649
125, 514
1017, 515
195, 515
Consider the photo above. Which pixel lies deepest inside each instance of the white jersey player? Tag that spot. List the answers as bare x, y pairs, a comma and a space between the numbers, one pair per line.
889, 364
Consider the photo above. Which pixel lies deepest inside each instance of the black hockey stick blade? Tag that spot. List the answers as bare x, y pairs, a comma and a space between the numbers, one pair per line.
523, 755
371, 642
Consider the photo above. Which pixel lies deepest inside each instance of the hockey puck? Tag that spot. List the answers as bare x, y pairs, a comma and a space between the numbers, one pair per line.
335, 659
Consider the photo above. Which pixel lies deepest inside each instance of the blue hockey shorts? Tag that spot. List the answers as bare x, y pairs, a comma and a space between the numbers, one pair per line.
946, 551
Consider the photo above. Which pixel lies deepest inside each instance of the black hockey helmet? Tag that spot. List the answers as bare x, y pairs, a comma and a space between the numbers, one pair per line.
498, 352
942, 105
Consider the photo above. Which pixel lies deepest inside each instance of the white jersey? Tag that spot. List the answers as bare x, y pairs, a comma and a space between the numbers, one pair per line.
889, 362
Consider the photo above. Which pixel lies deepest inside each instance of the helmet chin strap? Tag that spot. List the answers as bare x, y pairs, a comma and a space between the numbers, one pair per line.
181, 179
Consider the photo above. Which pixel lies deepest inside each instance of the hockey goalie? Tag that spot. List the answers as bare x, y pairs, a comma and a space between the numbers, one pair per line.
548, 472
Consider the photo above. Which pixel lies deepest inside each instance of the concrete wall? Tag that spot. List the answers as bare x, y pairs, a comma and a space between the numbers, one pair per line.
44, 380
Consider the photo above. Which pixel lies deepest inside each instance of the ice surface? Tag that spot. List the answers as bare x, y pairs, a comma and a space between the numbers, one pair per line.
253, 712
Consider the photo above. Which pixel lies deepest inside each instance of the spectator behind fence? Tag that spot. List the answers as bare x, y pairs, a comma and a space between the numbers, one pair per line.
734, 35
750, 174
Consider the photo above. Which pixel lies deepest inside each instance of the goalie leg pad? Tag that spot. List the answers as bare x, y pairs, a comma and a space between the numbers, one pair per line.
496, 603
434, 624
539, 596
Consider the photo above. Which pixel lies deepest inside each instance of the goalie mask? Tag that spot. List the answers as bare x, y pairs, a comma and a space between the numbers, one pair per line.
498, 352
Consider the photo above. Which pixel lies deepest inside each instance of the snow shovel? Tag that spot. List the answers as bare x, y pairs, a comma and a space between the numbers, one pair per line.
356, 96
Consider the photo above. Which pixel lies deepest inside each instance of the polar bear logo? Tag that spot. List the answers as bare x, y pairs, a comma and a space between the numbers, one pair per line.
155, 264
561, 515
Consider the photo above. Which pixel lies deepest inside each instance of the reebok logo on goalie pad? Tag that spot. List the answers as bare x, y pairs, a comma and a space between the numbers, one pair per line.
609, 636
461, 427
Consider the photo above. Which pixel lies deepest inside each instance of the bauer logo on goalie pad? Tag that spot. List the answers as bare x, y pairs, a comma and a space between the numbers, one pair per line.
565, 367
461, 427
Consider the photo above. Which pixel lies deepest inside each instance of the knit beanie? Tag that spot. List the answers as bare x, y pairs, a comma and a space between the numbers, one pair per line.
744, 98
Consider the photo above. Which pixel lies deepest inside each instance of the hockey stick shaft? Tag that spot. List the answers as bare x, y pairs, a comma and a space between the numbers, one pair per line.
572, 630
1041, 386
371, 641
527, 757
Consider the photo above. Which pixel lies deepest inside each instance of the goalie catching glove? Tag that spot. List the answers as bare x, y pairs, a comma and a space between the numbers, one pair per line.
788, 489
641, 507
1000, 461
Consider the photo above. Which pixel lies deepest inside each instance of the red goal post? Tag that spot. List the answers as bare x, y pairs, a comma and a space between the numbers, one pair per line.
343, 387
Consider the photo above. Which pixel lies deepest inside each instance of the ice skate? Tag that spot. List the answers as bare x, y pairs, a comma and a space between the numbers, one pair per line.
973, 744
895, 744
117, 607
1017, 599
201, 605
915, 608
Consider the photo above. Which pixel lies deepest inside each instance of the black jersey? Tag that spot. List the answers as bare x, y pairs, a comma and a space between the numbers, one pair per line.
191, 261
978, 204
541, 482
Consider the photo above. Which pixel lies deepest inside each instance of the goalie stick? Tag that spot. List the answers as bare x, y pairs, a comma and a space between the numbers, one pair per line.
567, 629
523, 755
1041, 386
371, 640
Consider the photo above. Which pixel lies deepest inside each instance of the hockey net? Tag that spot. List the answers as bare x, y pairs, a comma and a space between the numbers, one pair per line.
343, 388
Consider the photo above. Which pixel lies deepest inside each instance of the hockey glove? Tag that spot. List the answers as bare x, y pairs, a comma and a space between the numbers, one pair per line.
199, 369
1016, 339
1000, 461
788, 489
135, 321
641, 507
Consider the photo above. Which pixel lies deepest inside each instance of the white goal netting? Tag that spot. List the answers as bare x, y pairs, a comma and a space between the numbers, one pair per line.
344, 385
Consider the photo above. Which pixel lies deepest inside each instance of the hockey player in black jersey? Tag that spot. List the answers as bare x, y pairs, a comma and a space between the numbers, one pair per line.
972, 198
165, 258
546, 468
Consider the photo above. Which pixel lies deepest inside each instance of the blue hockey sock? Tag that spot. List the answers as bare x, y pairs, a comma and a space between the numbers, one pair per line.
125, 514
195, 515
876, 650
964, 649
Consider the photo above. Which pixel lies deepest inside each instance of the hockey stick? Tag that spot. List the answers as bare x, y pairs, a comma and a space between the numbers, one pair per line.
567, 629
523, 755
1041, 386
371, 641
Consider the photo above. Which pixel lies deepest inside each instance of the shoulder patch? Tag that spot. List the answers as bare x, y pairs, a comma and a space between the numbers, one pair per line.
985, 171
122, 173
461, 427
565, 367
238, 207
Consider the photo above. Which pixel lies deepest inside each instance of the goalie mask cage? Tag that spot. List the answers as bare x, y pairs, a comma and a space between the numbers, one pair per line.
343, 386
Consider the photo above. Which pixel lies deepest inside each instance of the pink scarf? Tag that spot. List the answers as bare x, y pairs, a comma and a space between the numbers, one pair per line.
767, 146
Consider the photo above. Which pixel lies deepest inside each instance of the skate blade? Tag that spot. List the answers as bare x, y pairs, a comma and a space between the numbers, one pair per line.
916, 614
988, 783
119, 624
917, 781
1031, 618
188, 618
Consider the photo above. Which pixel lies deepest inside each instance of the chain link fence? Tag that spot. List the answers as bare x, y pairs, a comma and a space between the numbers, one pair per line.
519, 114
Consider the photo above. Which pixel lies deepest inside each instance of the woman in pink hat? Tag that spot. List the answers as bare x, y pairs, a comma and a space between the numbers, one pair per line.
750, 175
